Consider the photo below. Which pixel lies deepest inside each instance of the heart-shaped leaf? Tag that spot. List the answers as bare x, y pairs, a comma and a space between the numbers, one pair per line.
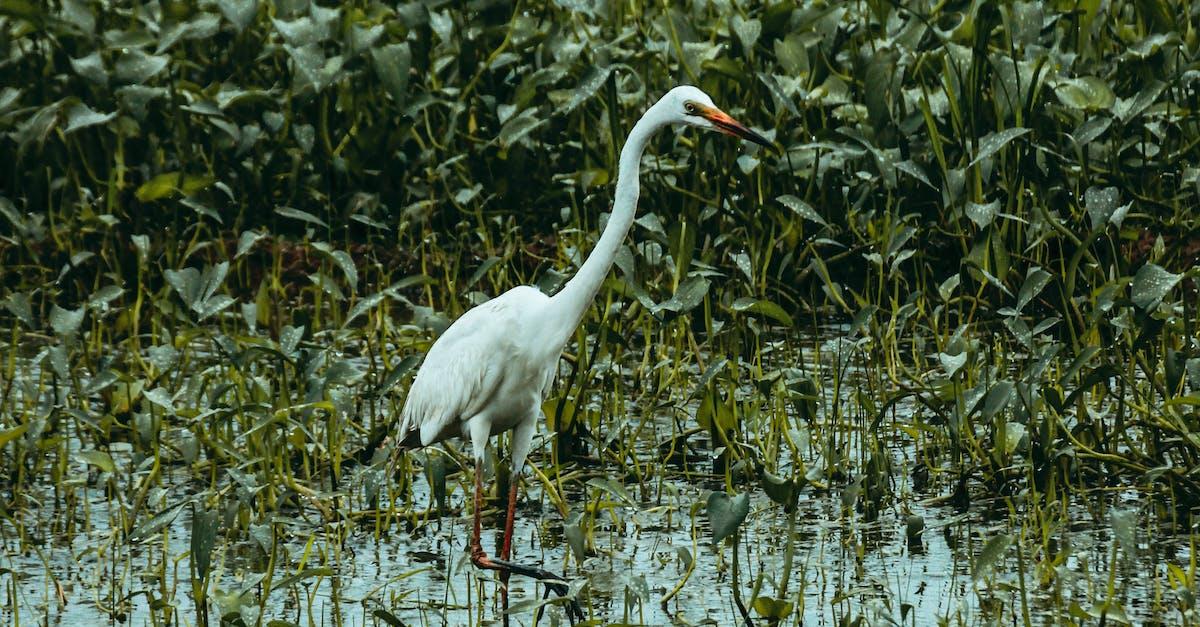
747, 31
239, 12
1151, 284
726, 513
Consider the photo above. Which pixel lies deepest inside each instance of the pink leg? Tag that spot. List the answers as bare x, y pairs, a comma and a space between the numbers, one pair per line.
506, 551
478, 557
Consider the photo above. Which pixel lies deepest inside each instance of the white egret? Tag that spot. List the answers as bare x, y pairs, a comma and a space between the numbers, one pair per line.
491, 369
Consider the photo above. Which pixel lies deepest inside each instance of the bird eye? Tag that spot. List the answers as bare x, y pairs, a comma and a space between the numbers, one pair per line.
689, 107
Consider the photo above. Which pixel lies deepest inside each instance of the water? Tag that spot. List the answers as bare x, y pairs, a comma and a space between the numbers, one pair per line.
342, 563
844, 567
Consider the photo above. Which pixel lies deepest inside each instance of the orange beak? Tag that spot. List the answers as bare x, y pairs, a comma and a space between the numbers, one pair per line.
730, 126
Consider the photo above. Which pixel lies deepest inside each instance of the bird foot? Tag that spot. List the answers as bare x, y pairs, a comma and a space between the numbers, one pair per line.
553, 582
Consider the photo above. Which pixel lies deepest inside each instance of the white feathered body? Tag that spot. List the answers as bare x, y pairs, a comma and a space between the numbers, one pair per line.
491, 370
490, 365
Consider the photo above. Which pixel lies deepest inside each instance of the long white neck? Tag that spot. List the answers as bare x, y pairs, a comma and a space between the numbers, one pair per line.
567, 307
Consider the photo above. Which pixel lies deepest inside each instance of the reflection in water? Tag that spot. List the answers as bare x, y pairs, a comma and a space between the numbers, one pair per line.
844, 568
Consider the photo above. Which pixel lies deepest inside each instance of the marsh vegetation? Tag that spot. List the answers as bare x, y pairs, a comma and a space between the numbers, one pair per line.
934, 362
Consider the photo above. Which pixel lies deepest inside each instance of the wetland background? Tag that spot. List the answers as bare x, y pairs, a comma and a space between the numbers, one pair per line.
935, 362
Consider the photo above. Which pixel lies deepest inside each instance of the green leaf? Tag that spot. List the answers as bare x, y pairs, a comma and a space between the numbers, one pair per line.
1086, 93
204, 535
747, 31
297, 214
997, 399
1151, 284
294, 578
586, 88
186, 283
91, 67
519, 127
156, 523
392, 63
993, 142
982, 215
1014, 432
726, 513
66, 322
780, 490
82, 116
103, 296
302, 32
18, 304
606, 484
690, 294
8, 435
801, 208
1101, 204
1036, 280
991, 554
246, 241
952, 363
763, 307
168, 183
239, 12
792, 54
136, 98
137, 67
201, 26
99, 459
772, 608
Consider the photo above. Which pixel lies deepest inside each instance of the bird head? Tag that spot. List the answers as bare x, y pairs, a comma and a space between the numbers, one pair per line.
688, 105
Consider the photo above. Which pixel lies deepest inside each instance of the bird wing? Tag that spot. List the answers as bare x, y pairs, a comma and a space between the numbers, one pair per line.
465, 366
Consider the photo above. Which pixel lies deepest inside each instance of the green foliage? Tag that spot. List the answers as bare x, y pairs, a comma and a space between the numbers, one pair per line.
230, 228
